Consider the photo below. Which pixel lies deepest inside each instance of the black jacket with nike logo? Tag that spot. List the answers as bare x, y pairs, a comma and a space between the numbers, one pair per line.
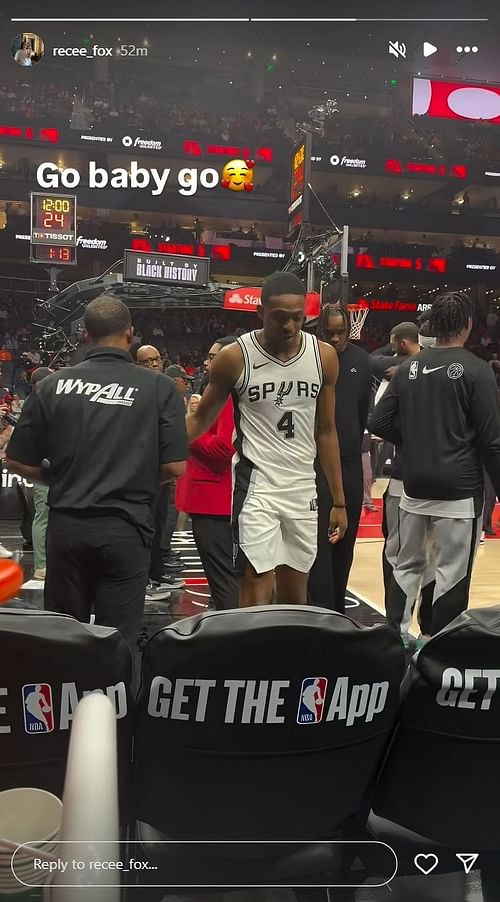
441, 407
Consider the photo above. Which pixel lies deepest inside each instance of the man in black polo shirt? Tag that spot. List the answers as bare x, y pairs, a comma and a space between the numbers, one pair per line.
103, 434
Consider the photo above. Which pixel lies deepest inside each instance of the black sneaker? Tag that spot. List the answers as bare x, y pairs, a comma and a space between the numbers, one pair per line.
172, 563
172, 581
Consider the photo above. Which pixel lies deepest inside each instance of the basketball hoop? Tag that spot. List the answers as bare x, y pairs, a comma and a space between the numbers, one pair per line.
357, 314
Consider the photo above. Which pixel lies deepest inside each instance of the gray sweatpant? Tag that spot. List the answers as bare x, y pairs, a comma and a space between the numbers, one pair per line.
455, 544
392, 545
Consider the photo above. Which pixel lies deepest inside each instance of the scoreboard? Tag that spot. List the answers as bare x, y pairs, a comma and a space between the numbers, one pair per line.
53, 228
300, 176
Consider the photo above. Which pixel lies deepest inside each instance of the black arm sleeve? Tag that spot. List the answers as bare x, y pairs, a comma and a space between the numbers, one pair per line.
381, 365
385, 351
172, 413
384, 421
486, 419
28, 442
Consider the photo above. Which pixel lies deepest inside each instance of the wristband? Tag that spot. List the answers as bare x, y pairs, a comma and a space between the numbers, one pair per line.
341, 506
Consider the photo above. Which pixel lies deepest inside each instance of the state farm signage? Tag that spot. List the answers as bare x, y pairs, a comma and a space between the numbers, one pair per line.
249, 299
242, 298
399, 306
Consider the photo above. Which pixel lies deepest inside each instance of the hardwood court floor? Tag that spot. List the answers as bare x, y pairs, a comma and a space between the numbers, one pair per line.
366, 574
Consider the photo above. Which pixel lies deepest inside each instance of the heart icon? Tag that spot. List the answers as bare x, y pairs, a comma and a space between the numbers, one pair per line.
426, 863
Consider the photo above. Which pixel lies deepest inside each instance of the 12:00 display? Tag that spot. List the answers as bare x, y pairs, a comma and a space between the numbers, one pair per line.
56, 205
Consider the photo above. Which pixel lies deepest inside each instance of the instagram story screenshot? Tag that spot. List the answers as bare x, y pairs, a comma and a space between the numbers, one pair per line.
250, 451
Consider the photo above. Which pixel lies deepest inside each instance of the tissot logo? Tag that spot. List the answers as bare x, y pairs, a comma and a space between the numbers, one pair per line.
112, 394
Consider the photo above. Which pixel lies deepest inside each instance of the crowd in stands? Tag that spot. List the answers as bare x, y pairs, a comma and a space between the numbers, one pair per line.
182, 335
205, 110
37, 100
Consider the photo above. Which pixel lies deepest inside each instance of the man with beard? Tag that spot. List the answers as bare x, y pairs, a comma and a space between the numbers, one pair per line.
205, 493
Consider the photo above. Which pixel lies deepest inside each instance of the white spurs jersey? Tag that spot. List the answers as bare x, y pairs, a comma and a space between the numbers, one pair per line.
275, 412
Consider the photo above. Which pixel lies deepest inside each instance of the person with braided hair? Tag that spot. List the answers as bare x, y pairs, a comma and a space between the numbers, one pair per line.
330, 572
441, 408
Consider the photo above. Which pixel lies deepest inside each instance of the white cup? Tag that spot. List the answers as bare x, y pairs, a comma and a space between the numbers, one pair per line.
29, 815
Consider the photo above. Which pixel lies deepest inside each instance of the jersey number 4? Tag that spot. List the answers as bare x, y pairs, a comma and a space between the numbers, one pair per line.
286, 425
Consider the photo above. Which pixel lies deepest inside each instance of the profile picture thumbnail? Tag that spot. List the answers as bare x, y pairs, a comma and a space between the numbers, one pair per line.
27, 49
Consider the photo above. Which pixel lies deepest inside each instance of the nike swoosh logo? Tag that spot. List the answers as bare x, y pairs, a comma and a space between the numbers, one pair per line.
434, 369
257, 366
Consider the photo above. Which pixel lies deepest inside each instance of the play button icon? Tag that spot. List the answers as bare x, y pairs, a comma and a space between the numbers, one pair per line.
429, 49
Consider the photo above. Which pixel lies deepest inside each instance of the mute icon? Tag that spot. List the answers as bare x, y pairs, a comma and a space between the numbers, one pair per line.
468, 860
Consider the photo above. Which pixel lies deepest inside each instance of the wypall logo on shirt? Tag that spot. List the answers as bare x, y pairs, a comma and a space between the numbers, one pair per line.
113, 394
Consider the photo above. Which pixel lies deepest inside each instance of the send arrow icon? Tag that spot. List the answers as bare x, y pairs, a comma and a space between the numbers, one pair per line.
468, 860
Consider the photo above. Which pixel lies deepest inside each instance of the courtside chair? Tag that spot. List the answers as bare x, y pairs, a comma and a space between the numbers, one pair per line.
439, 790
263, 724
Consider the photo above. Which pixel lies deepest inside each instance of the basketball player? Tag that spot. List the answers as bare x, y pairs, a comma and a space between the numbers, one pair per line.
283, 386
405, 341
330, 573
441, 406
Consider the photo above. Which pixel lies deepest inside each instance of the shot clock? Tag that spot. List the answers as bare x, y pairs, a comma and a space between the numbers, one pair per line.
53, 228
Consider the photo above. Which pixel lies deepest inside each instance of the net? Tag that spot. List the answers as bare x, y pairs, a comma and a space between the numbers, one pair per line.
357, 314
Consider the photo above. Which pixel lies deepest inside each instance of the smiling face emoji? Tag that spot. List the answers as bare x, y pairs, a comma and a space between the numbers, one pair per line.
237, 175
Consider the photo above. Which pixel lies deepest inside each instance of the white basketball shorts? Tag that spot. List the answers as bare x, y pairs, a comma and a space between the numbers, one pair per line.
270, 530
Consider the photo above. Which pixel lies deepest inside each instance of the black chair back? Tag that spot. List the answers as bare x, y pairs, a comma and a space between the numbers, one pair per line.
440, 777
267, 722
48, 662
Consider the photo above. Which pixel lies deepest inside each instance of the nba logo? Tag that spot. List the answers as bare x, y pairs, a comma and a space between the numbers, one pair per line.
413, 373
38, 708
312, 700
